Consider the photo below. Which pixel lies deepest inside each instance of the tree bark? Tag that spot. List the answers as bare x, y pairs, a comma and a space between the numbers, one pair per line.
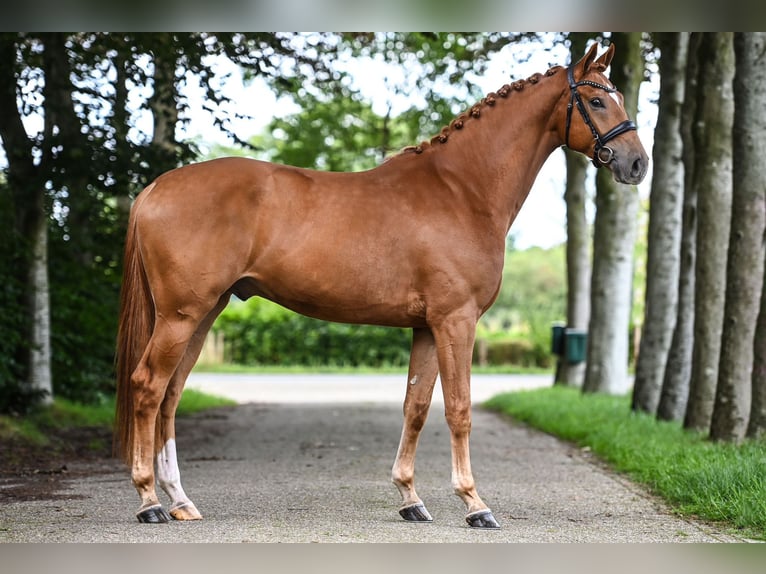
70, 166
164, 104
757, 426
665, 224
744, 273
578, 244
40, 380
26, 182
675, 385
613, 243
715, 111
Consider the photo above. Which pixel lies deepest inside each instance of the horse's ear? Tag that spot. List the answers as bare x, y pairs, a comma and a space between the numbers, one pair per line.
588, 58
606, 57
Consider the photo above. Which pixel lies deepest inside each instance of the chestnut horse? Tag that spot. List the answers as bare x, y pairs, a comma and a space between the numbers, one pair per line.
416, 242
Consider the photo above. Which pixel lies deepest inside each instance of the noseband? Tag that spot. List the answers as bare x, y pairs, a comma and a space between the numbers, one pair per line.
602, 154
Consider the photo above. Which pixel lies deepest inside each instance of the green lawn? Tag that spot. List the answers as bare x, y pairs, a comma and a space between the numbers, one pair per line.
716, 482
37, 426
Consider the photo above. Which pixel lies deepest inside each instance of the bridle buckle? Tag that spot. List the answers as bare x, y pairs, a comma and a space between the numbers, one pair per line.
605, 155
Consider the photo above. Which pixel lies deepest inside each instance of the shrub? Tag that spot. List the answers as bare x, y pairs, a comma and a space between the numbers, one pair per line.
259, 332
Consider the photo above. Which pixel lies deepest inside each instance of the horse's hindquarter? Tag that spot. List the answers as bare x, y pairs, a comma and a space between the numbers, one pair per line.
371, 247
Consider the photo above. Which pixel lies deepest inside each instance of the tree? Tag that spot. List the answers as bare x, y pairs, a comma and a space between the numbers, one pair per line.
757, 426
678, 368
62, 194
341, 134
665, 218
713, 179
578, 243
26, 190
744, 273
613, 242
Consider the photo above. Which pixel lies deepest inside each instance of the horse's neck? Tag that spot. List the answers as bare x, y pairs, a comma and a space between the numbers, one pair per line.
497, 156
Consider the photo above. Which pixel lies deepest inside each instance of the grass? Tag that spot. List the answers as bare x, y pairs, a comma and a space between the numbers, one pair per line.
39, 425
716, 482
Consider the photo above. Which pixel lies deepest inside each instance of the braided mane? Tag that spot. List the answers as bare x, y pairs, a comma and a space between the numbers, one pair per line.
474, 112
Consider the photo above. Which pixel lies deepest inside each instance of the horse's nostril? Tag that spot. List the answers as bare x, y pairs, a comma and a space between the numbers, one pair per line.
638, 168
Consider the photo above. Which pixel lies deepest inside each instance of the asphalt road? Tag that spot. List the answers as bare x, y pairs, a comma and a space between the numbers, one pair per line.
310, 462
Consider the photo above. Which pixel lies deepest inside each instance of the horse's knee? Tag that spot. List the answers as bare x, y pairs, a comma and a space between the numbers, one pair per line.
459, 420
416, 415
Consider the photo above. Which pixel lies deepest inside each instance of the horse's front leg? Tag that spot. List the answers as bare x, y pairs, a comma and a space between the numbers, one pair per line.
454, 342
420, 386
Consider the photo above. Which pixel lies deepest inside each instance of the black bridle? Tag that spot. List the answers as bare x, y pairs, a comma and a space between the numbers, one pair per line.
602, 154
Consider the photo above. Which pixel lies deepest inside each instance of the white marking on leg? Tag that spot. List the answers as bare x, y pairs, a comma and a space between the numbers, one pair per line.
169, 476
414, 380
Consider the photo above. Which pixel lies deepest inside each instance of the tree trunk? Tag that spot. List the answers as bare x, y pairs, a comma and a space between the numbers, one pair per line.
757, 426
164, 104
69, 167
26, 183
715, 111
665, 224
744, 274
40, 381
678, 369
578, 243
613, 243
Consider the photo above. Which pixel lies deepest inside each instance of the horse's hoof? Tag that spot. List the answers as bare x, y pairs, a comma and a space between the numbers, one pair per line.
185, 511
482, 519
416, 513
153, 515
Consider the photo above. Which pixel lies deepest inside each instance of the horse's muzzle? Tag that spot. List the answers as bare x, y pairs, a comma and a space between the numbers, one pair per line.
631, 170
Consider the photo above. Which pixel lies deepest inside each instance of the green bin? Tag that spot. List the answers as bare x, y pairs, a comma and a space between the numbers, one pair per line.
575, 345
557, 338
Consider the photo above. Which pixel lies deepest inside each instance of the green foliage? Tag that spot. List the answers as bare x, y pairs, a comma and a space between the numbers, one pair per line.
505, 351
336, 135
259, 332
41, 424
13, 398
195, 401
715, 481
532, 297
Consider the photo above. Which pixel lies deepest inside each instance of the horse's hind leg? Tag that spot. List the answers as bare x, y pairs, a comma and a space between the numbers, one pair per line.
168, 474
150, 380
421, 379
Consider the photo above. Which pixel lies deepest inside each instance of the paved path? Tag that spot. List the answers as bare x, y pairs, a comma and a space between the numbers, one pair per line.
280, 470
345, 388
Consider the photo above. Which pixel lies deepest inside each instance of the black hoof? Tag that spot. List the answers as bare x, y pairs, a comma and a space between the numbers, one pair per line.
415, 513
482, 519
153, 515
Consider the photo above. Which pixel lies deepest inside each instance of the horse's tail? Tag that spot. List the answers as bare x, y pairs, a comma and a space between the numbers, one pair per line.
136, 323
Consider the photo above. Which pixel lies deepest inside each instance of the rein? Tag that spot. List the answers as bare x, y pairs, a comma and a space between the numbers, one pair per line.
602, 154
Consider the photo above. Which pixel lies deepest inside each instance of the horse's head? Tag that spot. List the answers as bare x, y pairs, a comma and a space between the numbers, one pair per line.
597, 124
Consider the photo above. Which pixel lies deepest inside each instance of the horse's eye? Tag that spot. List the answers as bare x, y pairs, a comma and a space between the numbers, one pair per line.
597, 103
